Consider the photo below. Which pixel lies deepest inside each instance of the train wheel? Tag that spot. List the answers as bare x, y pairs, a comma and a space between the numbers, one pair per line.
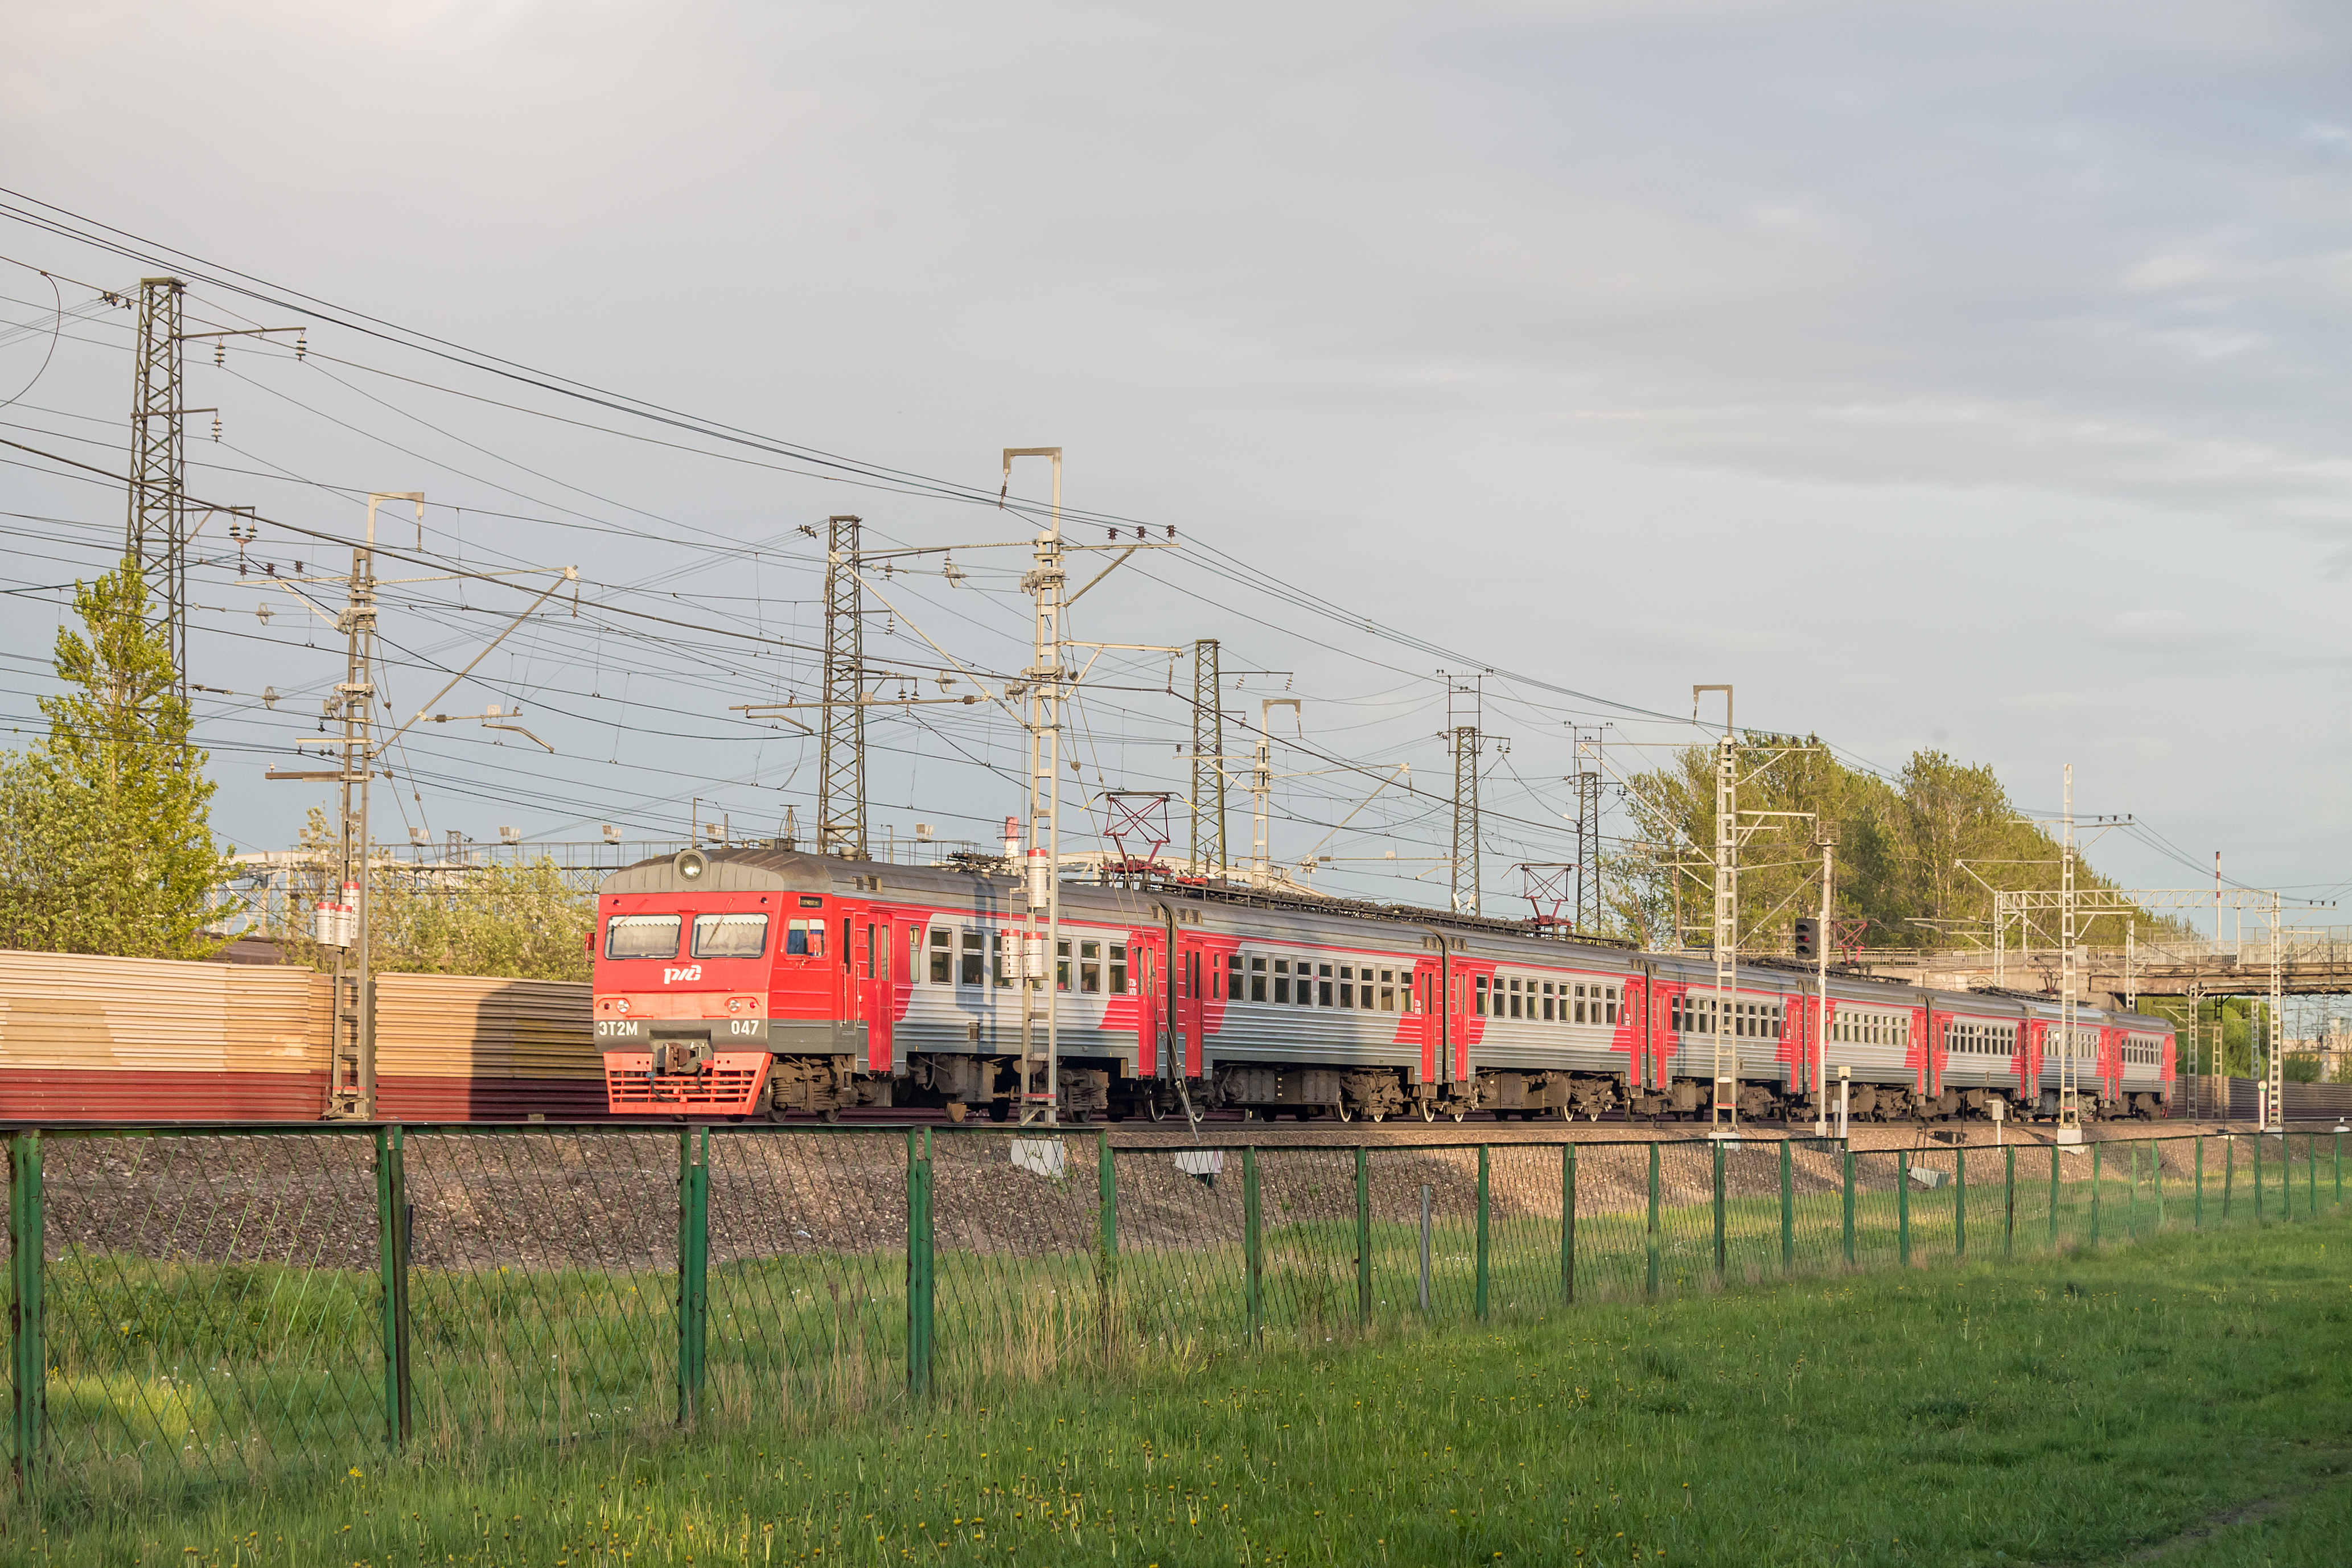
1456, 1112
1428, 1109
830, 1115
1380, 1116
1155, 1110
1347, 1112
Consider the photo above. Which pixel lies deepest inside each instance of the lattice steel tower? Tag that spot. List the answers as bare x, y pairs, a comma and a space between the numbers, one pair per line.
1465, 818
841, 744
1208, 762
1587, 779
156, 536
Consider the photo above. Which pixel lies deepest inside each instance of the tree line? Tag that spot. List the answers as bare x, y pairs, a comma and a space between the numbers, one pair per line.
1901, 845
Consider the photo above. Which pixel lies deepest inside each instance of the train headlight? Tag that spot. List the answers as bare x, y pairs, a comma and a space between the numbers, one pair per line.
690, 865
621, 1005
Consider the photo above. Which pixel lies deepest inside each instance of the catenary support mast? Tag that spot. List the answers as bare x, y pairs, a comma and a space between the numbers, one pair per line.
156, 536
1041, 921
1724, 1090
1208, 763
840, 745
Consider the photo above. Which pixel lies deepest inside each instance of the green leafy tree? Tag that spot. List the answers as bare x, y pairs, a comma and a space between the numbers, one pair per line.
105, 845
1900, 845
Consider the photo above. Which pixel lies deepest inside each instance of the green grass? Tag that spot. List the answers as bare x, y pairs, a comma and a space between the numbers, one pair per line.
2187, 1396
171, 1376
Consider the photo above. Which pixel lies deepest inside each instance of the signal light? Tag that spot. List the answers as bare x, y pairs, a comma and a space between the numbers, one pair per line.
1809, 937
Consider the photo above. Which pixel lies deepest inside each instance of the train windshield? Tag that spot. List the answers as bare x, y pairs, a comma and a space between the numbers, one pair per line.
729, 936
641, 936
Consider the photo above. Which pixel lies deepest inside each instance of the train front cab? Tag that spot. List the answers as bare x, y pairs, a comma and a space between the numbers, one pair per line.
723, 989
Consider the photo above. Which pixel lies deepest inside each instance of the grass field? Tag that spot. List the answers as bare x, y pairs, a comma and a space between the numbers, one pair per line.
2187, 1397
168, 1376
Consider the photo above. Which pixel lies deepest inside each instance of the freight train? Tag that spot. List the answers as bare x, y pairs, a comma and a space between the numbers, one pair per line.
749, 982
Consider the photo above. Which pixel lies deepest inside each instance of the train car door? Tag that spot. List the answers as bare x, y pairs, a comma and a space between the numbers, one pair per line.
877, 997
1457, 1030
1635, 1022
1143, 971
1428, 986
806, 986
1191, 1003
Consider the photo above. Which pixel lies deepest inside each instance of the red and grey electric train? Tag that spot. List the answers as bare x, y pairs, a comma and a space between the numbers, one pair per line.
741, 982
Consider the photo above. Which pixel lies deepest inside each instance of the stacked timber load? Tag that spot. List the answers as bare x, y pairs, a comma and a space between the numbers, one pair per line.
88, 1039
465, 1047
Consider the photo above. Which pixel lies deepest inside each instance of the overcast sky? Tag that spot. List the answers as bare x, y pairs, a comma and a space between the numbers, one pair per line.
1967, 377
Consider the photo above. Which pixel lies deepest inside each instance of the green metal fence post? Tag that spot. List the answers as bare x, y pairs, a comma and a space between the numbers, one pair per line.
2131, 1192
1849, 1205
2008, 1203
2258, 1178
1902, 1209
29, 1356
1960, 1202
1107, 1267
1717, 1146
2339, 1168
1252, 1263
921, 1263
2197, 1208
1479, 1301
1363, 1236
2229, 1173
1568, 1223
2053, 1198
1788, 1208
2156, 1179
1653, 1231
2096, 1150
2311, 1173
392, 1262
693, 1267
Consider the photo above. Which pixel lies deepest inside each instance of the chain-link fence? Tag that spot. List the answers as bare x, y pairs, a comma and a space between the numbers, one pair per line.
200, 1306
